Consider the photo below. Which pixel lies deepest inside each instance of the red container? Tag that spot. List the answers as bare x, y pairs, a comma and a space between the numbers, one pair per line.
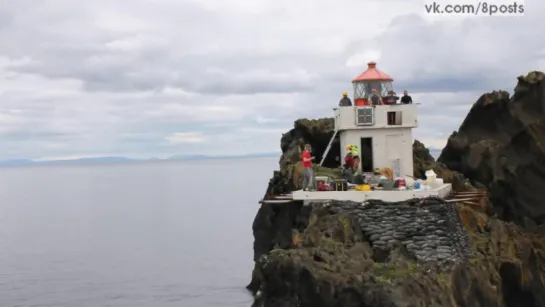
321, 186
400, 183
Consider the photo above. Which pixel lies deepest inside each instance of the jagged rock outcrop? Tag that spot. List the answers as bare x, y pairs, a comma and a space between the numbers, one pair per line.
501, 144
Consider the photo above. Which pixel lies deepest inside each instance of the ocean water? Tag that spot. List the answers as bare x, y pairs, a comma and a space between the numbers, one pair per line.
146, 234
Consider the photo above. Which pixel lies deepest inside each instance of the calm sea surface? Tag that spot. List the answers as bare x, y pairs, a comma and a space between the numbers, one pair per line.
150, 234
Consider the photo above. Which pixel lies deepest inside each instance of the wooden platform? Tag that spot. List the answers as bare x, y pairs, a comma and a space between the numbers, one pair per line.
280, 199
473, 198
360, 196
477, 198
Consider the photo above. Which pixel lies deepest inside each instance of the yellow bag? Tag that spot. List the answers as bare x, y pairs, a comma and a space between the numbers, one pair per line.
363, 187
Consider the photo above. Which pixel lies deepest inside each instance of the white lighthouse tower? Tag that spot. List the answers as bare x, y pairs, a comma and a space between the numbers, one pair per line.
384, 132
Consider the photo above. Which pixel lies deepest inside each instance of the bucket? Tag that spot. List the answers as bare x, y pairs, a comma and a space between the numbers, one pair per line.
400, 183
409, 181
321, 186
387, 184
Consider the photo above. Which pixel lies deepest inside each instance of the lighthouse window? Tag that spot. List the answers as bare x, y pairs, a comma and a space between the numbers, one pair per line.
359, 90
394, 118
375, 85
365, 116
386, 88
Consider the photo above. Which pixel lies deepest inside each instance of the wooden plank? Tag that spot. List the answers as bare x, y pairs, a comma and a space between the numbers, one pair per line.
474, 197
470, 194
328, 146
472, 203
275, 201
454, 200
283, 197
477, 192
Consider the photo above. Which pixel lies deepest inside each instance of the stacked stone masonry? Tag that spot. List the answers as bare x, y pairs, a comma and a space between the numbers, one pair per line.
429, 229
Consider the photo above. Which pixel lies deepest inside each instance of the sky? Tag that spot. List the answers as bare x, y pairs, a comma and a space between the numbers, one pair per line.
145, 78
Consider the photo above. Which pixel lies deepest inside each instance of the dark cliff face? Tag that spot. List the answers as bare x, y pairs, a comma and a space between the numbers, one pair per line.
501, 144
329, 256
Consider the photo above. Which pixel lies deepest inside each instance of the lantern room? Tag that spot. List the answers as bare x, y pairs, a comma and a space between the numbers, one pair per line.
369, 80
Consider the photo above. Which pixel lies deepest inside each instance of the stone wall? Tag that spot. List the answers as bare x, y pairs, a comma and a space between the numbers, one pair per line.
429, 229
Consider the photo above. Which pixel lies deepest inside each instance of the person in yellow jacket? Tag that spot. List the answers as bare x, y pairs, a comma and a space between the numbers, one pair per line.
356, 159
345, 101
354, 150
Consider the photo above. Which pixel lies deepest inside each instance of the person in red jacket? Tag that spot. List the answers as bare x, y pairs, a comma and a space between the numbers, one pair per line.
308, 176
348, 161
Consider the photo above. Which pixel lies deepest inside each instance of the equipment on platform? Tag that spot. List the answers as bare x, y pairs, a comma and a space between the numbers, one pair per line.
363, 187
339, 185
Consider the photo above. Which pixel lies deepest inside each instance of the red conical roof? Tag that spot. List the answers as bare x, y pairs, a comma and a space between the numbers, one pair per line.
372, 74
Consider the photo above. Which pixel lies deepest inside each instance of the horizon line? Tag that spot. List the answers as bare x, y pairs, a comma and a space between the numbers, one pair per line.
117, 159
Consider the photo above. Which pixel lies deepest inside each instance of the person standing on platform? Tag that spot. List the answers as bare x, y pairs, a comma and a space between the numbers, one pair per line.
392, 98
406, 99
348, 160
375, 98
308, 174
345, 101
354, 150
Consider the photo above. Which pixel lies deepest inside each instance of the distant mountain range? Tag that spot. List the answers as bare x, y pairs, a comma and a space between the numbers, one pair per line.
435, 152
201, 157
102, 160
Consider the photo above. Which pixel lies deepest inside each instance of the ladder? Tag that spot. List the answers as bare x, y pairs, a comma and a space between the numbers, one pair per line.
328, 147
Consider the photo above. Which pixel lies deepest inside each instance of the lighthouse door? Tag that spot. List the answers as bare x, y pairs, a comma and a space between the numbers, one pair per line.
367, 155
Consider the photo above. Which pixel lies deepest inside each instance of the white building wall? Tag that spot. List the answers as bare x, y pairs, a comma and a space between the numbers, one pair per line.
401, 146
345, 117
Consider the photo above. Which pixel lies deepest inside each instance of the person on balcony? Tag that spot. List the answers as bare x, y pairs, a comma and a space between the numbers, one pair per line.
406, 99
375, 98
392, 98
345, 101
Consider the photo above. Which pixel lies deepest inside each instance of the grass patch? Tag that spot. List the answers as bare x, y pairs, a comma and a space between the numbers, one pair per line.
392, 274
333, 173
276, 251
441, 277
347, 225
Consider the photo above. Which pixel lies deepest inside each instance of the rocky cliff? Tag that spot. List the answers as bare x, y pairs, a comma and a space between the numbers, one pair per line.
421, 252
501, 144
328, 254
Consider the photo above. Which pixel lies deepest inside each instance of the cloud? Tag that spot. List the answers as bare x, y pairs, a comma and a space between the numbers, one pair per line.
157, 78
